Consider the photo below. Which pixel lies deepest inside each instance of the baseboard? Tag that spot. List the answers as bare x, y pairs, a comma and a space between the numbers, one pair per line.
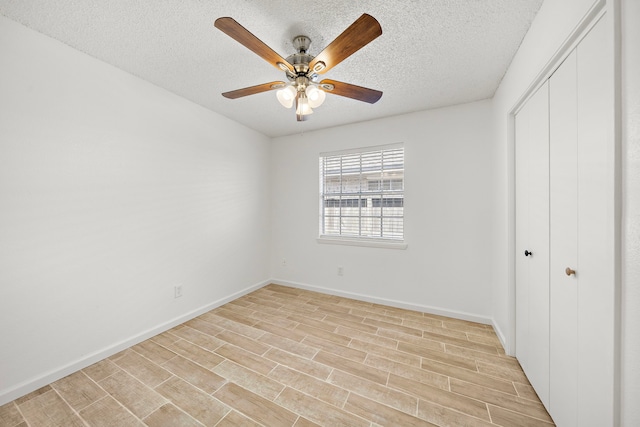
390, 302
501, 337
54, 375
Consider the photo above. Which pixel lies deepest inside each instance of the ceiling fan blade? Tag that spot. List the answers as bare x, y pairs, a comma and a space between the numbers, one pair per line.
351, 91
252, 90
230, 27
364, 30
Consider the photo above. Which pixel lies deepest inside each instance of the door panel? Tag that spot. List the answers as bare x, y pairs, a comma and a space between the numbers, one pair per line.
563, 160
532, 272
596, 222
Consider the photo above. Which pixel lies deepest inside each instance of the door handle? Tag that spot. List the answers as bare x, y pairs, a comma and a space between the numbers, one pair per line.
568, 271
527, 253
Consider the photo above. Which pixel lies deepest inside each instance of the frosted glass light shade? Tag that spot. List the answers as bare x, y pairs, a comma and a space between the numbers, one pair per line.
286, 96
316, 96
303, 108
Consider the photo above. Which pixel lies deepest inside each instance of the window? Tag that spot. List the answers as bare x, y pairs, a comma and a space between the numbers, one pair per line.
362, 194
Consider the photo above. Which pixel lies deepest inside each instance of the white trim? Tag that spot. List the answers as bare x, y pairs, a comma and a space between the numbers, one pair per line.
371, 243
390, 302
500, 335
362, 149
588, 21
28, 386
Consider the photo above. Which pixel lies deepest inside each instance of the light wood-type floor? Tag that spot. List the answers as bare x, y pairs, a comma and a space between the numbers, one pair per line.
289, 357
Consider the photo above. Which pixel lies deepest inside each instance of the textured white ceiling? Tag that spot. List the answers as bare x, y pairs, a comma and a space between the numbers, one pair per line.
431, 53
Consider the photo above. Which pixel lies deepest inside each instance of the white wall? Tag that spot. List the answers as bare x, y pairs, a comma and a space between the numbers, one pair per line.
630, 14
448, 211
112, 191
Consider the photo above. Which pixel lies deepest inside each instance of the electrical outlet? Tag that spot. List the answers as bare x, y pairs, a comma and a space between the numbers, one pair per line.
177, 291
340, 271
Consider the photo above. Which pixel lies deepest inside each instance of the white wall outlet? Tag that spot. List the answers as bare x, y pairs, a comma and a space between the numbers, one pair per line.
340, 271
177, 291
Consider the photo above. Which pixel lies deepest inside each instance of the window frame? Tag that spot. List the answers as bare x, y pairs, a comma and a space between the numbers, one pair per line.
382, 193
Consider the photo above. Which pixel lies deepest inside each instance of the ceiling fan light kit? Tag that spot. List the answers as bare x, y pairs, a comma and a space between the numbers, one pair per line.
315, 95
286, 96
302, 69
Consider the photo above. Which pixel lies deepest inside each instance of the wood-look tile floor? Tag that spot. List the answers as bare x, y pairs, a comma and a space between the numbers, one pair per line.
289, 357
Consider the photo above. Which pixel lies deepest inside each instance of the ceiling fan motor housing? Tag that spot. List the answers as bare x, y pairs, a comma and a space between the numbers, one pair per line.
301, 59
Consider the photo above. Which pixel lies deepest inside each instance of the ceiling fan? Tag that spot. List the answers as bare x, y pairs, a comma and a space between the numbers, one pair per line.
302, 69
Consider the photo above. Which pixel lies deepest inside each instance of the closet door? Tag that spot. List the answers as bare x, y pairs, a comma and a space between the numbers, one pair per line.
532, 240
582, 266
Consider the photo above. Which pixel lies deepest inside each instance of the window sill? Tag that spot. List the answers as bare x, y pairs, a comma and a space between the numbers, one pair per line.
381, 243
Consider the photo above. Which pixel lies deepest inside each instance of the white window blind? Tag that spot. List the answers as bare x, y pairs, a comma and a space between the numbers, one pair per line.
362, 193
